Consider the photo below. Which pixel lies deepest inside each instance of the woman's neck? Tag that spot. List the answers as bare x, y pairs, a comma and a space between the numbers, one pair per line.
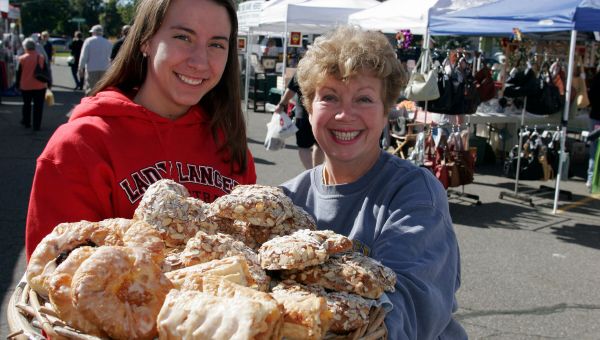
339, 173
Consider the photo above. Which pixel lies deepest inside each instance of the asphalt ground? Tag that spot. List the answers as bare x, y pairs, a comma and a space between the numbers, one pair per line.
526, 273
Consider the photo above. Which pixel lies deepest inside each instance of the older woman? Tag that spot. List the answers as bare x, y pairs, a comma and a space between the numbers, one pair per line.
393, 211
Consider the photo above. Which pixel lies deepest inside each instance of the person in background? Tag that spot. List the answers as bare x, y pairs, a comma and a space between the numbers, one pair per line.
32, 89
118, 43
395, 212
170, 109
38, 46
75, 47
594, 96
95, 58
308, 150
45, 42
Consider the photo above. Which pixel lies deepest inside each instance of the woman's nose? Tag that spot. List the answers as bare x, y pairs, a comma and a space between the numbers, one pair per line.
199, 58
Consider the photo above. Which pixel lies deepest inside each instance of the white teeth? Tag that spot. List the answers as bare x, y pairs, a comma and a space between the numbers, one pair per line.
345, 135
190, 81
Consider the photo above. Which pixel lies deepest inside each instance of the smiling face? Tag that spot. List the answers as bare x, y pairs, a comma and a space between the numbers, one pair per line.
348, 119
186, 57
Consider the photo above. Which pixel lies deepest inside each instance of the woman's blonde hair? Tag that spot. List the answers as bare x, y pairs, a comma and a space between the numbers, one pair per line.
348, 51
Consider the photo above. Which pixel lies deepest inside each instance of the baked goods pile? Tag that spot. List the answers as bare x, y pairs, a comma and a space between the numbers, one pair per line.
250, 265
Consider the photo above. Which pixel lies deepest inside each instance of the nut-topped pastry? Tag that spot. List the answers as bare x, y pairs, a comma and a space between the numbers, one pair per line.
301, 249
259, 205
350, 311
166, 206
349, 272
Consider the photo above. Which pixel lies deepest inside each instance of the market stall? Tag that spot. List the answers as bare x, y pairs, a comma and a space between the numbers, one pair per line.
534, 16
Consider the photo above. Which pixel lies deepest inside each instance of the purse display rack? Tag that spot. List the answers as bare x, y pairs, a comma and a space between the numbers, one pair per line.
444, 150
541, 151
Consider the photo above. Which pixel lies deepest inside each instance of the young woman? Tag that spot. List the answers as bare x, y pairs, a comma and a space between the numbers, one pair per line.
393, 211
168, 107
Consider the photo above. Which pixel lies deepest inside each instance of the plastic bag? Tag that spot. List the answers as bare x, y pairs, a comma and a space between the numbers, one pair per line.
49, 97
278, 129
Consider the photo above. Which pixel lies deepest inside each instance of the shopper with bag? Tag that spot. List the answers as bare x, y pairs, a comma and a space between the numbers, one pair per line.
32, 89
171, 109
395, 212
308, 148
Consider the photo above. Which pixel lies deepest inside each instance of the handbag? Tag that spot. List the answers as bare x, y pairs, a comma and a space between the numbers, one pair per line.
42, 73
420, 86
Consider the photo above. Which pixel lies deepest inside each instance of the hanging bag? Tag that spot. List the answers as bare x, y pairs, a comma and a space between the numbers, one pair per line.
42, 73
420, 86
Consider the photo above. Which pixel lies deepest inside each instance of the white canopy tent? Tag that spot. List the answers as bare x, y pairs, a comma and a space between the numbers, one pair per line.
394, 15
305, 16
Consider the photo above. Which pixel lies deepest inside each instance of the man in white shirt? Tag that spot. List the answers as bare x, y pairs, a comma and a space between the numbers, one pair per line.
95, 58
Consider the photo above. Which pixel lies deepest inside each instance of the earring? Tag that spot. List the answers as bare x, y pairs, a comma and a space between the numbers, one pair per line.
144, 54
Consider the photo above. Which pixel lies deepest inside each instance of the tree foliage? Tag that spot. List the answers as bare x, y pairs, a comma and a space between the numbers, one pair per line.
56, 16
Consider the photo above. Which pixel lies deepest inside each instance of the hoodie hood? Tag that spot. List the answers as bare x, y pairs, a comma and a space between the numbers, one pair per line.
114, 103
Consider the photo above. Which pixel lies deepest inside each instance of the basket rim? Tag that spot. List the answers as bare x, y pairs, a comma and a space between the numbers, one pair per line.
25, 316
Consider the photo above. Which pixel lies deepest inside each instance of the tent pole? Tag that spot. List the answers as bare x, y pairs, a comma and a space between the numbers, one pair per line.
285, 43
425, 63
565, 118
247, 73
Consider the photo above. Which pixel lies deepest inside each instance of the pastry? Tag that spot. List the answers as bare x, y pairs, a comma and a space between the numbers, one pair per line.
350, 311
60, 242
306, 315
349, 272
256, 204
59, 292
301, 249
174, 215
121, 290
203, 248
198, 315
233, 268
220, 287
141, 234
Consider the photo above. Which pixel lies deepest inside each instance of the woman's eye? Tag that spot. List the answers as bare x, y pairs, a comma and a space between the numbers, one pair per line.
365, 99
218, 45
328, 98
183, 37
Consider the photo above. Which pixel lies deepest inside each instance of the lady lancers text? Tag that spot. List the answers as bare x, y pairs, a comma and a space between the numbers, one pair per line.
136, 183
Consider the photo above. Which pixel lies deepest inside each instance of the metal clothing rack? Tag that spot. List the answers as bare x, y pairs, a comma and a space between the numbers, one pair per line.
527, 197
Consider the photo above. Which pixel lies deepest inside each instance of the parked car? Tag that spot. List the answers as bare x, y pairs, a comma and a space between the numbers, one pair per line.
59, 44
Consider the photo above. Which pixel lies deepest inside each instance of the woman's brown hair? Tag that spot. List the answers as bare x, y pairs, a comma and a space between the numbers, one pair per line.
222, 103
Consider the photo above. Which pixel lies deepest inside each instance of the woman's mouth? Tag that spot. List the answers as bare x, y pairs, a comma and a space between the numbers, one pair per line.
345, 135
189, 80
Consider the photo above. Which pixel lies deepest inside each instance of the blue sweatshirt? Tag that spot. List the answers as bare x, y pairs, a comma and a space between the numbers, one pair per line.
396, 213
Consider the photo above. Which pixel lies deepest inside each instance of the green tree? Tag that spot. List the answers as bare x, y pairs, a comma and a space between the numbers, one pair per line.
37, 16
111, 19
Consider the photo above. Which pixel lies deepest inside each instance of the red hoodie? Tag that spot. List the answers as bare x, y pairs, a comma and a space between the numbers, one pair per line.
99, 164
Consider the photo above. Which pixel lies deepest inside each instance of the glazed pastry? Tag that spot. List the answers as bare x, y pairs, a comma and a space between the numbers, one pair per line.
301, 249
350, 272
306, 315
256, 204
61, 241
233, 268
121, 290
198, 315
220, 287
141, 234
203, 248
59, 292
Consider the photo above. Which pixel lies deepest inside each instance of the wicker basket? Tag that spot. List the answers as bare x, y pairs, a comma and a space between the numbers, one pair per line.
30, 317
